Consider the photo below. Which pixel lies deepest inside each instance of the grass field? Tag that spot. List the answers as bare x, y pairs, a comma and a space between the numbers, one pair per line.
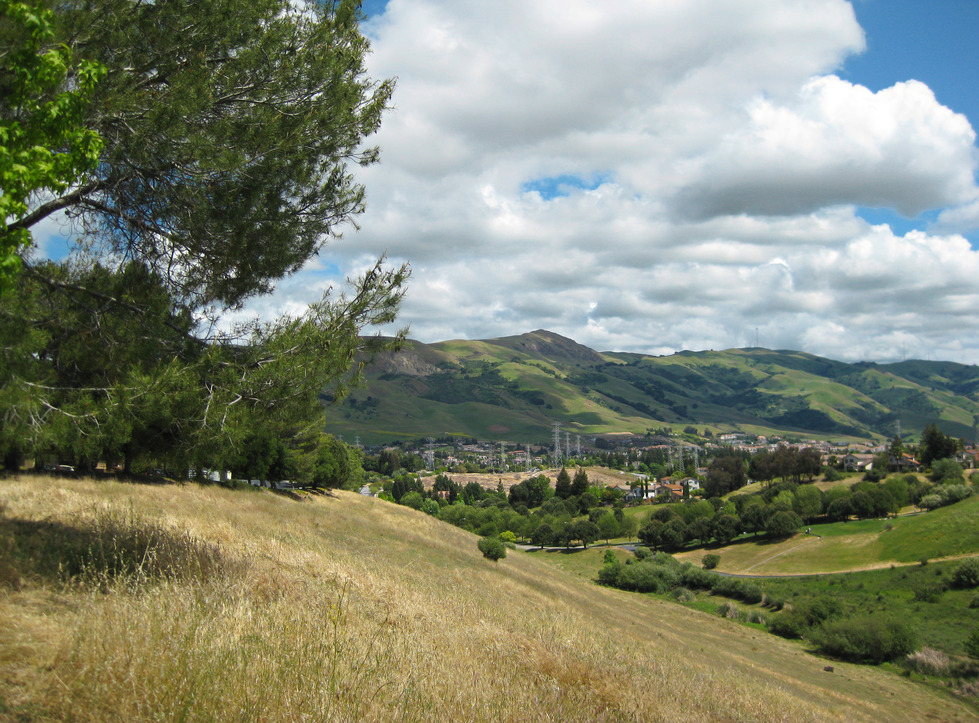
951, 531
128, 602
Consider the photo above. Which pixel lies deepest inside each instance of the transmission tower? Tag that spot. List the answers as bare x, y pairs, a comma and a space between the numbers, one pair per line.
567, 445
557, 443
577, 446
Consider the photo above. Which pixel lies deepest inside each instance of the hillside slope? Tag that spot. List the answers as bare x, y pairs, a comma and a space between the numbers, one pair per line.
252, 606
515, 388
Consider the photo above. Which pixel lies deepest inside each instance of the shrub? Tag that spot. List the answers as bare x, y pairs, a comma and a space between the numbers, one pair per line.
966, 575
682, 594
610, 574
748, 592
928, 662
751, 594
928, 592
773, 603
869, 638
711, 561
728, 587
697, 578
972, 644
492, 548
648, 576
798, 620
412, 499
729, 610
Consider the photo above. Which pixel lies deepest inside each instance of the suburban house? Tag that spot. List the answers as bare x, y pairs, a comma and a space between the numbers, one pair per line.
858, 462
906, 463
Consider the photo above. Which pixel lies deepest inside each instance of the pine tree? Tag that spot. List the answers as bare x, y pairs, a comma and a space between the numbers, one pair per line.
562, 486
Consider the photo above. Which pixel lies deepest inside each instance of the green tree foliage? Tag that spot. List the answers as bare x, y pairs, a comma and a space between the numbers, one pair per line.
541, 535
403, 485
579, 485
725, 474
608, 525
783, 524
839, 509
710, 561
946, 471
935, 445
44, 142
227, 131
651, 534
584, 531
761, 466
413, 499
335, 465
532, 492
562, 485
808, 502
754, 516
472, 493
726, 527
263, 456
444, 484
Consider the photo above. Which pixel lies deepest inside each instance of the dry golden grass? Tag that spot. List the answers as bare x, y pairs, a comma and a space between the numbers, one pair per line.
349, 608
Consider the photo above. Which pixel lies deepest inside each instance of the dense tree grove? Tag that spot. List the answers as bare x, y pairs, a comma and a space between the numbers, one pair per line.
935, 445
201, 153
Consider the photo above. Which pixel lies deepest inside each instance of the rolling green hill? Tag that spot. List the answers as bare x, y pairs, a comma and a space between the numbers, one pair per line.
514, 388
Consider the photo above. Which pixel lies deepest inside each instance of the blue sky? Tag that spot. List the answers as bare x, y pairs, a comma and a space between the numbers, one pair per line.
934, 41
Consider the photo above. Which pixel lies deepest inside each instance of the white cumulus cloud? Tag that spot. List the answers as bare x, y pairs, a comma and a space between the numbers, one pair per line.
710, 166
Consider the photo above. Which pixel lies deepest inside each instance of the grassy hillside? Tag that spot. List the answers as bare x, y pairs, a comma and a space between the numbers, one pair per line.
125, 602
514, 388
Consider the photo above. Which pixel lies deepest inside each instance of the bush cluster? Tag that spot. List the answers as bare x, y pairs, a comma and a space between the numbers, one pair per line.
492, 548
866, 639
869, 638
966, 575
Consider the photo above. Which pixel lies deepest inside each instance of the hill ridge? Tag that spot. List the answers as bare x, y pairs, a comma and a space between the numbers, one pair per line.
517, 387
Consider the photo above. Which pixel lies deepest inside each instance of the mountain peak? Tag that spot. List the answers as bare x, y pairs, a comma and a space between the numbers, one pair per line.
549, 345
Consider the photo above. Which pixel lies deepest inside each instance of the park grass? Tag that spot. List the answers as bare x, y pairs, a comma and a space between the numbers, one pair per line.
346, 608
951, 531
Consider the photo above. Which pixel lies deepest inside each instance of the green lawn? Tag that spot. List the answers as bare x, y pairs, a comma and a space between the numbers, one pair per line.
861, 544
